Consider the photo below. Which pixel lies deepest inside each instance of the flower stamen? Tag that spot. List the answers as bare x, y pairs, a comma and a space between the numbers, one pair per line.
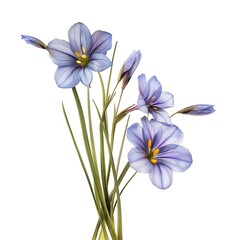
156, 151
150, 104
153, 161
149, 143
84, 51
82, 59
152, 153
78, 54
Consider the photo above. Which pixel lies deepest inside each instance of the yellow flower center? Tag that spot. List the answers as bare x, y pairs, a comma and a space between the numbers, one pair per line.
152, 153
150, 104
82, 59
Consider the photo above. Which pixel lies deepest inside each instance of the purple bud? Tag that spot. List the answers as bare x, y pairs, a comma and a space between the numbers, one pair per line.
129, 67
198, 109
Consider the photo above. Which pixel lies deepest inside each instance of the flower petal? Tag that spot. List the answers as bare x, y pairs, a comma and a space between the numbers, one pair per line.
142, 83
134, 135
99, 62
138, 161
166, 148
157, 128
101, 42
153, 89
130, 66
86, 76
148, 130
161, 176
79, 37
129, 62
67, 77
177, 158
142, 106
170, 134
160, 115
166, 100
61, 53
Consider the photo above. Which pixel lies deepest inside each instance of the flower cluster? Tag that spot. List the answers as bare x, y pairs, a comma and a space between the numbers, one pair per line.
156, 140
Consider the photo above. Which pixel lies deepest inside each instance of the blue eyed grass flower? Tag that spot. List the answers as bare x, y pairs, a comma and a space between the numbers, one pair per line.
157, 151
34, 41
129, 67
198, 110
80, 56
83, 54
152, 99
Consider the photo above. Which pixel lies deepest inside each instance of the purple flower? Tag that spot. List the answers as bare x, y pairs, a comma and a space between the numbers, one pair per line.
34, 41
83, 54
198, 109
157, 151
152, 100
77, 59
129, 67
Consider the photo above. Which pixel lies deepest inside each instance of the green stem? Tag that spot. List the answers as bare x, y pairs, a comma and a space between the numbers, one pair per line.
91, 129
83, 126
111, 160
120, 98
79, 155
102, 236
110, 74
116, 186
104, 101
122, 143
103, 168
119, 213
95, 173
102, 151
114, 123
85, 170
122, 175
103, 89
125, 186
173, 114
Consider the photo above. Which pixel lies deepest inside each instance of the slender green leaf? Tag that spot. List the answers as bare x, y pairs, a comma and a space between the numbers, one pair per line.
85, 170
79, 154
91, 129
125, 187
123, 173
114, 177
97, 183
111, 68
122, 143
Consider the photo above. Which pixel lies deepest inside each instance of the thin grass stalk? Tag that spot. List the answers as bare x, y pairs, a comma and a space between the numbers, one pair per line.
95, 174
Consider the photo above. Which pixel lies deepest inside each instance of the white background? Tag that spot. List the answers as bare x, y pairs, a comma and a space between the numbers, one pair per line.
193, 47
